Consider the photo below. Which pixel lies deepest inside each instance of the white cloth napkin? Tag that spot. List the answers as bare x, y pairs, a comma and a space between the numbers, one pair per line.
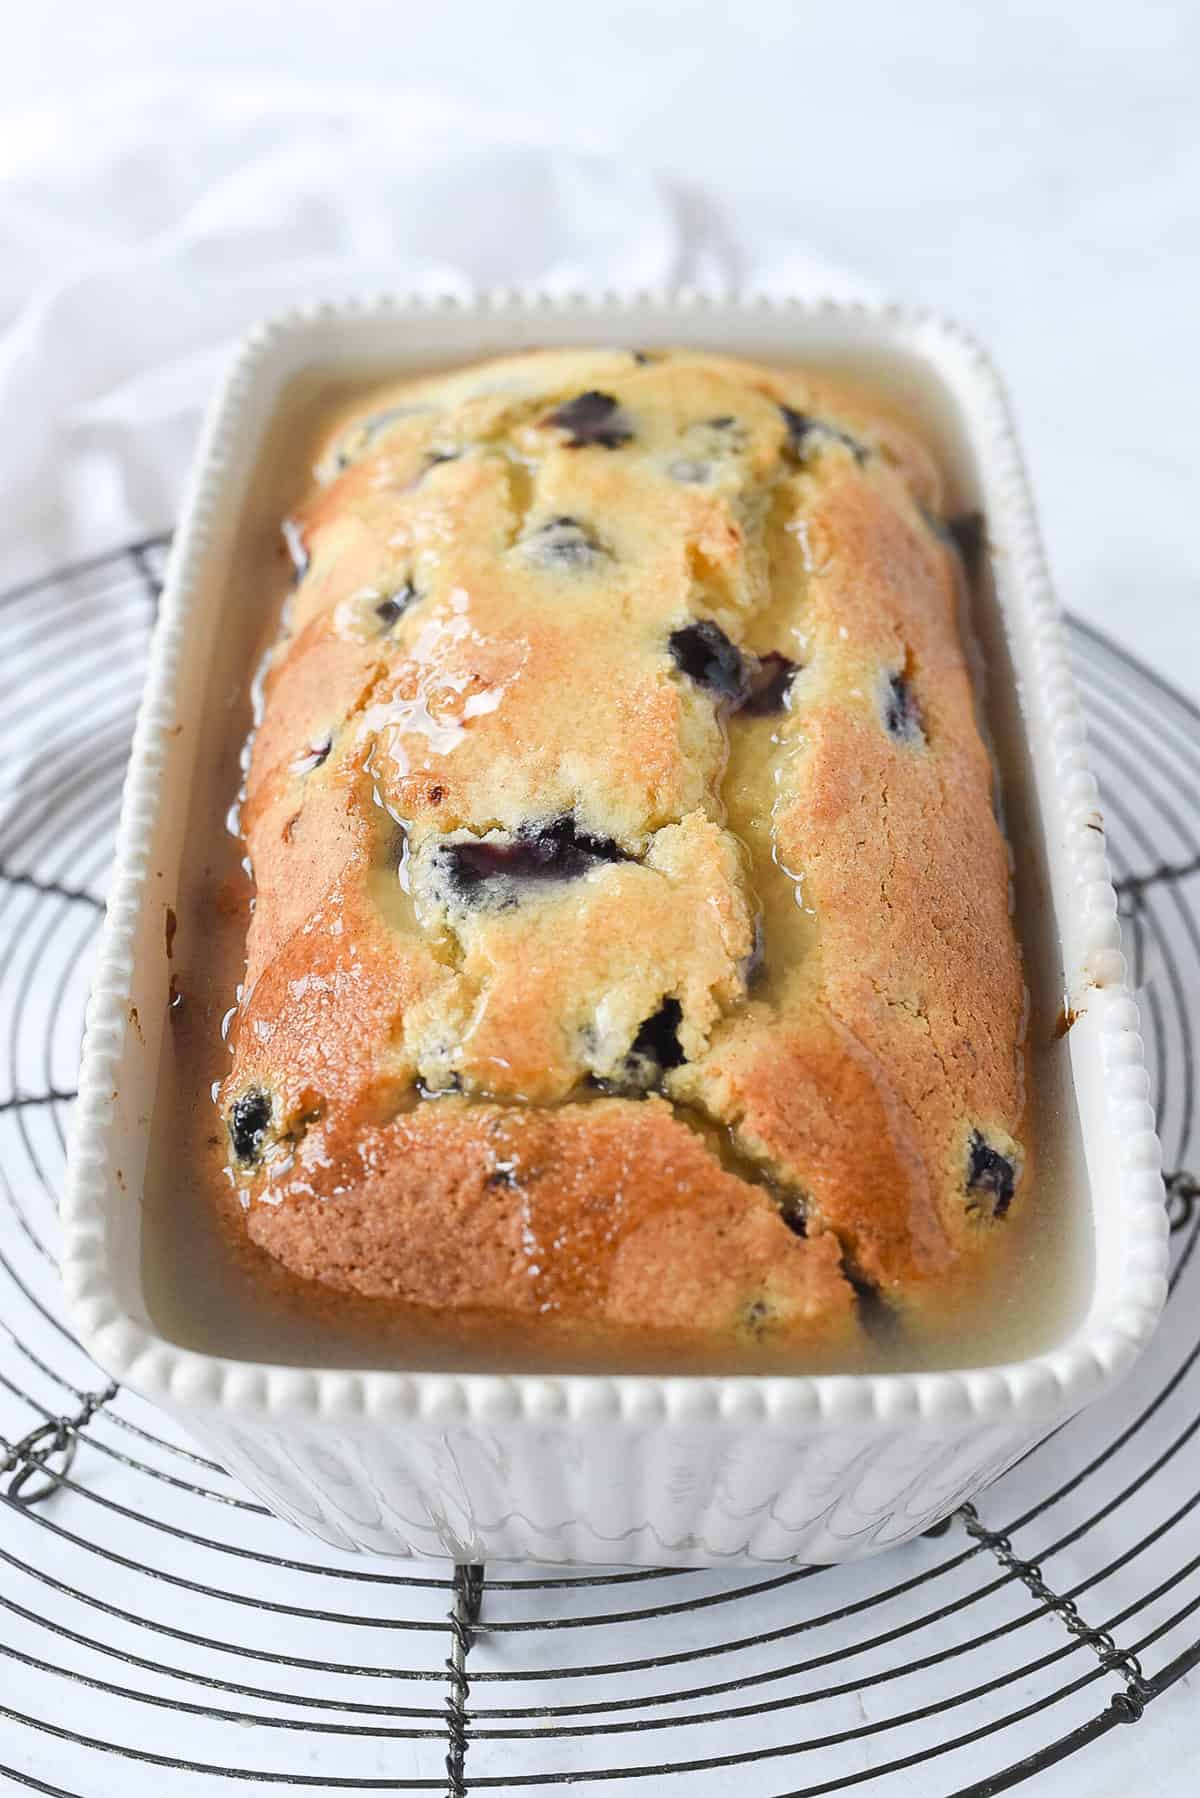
142, 233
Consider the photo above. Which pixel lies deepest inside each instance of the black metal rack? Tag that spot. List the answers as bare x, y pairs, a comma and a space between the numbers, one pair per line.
160, 1631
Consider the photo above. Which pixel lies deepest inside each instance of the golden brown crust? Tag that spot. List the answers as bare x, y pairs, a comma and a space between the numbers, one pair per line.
621, 739
613, 1211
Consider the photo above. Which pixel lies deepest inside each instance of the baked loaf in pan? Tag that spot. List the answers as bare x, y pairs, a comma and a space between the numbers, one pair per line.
632, 934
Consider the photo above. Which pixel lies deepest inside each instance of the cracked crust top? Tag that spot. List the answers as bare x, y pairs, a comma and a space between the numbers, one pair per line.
632, 935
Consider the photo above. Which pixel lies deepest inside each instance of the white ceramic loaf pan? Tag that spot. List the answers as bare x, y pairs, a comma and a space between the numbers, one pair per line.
632, 1468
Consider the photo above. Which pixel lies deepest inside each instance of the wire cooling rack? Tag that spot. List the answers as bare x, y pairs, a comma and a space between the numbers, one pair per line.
161, 1633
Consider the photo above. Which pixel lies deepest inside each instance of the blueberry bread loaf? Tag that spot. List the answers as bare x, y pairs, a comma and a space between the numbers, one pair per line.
632, 937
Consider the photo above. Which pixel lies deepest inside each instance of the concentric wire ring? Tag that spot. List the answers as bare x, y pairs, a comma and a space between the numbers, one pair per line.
158, 1625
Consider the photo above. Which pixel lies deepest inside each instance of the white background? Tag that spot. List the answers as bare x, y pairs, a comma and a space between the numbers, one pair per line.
1032, 169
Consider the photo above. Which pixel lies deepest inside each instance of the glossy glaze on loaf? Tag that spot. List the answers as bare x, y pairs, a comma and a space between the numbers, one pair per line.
632, 934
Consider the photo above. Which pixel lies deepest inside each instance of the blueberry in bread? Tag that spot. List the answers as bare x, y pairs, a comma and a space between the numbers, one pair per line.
631, 937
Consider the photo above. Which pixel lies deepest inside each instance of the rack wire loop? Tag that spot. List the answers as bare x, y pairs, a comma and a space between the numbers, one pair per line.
1183, 1189
49, 1449
23, 1460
